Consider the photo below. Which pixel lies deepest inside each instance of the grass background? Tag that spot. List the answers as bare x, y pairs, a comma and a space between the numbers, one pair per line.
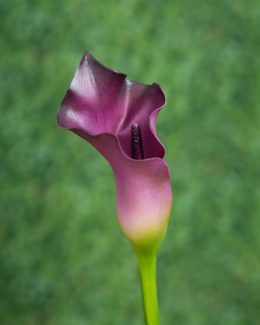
63, 259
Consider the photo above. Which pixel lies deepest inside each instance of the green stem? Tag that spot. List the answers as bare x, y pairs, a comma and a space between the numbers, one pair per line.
147, 266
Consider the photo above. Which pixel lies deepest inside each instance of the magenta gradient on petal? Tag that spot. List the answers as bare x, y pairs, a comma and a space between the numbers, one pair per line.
101, 106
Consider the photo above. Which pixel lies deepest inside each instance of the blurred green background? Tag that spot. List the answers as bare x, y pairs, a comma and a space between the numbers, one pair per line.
63, 259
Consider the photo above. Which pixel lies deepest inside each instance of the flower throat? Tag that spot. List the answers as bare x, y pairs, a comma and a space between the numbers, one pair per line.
137, 150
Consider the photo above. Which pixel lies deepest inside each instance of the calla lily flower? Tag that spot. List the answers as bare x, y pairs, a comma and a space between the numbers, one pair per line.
118, 116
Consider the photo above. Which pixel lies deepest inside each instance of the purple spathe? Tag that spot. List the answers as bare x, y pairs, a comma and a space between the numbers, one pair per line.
102, 106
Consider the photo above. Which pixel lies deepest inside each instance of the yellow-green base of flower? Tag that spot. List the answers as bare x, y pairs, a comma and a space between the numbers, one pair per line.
145, 248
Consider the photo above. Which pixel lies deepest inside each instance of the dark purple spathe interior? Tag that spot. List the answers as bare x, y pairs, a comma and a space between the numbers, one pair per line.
100, 101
